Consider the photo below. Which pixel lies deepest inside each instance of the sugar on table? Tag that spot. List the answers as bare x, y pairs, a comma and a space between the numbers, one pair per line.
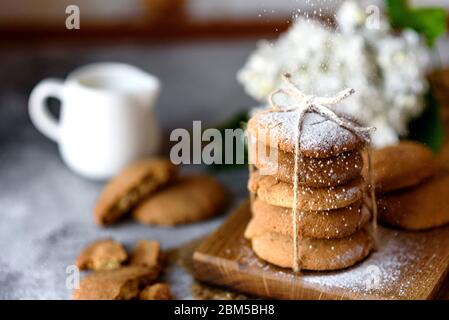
407, 265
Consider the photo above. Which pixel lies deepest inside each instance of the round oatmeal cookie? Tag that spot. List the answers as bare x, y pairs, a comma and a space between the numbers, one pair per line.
313, 172
320, 138
338, 223
316, 254
189, 199
132, 185
422, 207
401, 166
279, 193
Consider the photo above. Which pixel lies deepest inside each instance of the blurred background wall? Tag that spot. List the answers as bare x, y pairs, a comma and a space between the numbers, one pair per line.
15, 12
100, 11
155, 20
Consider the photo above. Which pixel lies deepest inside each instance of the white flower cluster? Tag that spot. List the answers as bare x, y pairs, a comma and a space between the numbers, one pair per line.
387, 70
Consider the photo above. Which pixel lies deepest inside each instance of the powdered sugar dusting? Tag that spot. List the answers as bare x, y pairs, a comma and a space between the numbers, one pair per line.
403, 267
319, 137
315, 172
377, 274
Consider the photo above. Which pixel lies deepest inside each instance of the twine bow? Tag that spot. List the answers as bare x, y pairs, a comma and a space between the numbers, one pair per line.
310, 103
320, 105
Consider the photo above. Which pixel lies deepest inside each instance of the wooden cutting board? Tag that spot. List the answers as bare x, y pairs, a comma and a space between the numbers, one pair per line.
407, 265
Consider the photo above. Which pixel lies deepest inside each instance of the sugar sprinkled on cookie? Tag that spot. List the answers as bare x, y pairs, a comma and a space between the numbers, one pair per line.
279, 193
320, 138
328, 224
317, 254
313, 172
401, 166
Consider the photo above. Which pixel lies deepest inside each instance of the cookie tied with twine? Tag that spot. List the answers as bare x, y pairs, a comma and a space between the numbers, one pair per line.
307, 126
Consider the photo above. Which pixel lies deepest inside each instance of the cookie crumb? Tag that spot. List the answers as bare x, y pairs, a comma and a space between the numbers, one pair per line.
157, 291
146, 253
105, 254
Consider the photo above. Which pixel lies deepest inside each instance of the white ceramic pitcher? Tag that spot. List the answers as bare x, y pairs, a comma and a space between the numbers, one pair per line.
106, 119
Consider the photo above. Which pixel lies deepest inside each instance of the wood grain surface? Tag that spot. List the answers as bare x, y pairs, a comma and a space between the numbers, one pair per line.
407, 265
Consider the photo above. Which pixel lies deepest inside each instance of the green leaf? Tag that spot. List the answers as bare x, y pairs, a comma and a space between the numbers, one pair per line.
429, 22
234, 121
397, 11
429, 127
238, 120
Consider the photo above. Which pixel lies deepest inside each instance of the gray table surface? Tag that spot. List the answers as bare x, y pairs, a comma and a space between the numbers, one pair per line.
45, 209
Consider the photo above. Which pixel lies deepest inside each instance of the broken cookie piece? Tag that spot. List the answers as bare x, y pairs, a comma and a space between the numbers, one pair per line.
132, 185
146, 253
105, 254
157, 291
119, 284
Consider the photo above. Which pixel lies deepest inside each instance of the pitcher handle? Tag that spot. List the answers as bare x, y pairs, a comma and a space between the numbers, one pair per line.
41, 117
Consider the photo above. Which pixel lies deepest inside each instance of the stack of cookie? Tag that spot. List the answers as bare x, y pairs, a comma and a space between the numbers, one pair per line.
333, 218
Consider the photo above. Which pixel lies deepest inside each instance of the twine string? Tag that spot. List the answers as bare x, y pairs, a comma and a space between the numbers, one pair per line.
296, 216
373, 198
311, 104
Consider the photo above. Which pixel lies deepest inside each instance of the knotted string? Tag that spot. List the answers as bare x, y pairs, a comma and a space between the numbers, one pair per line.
310, 104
